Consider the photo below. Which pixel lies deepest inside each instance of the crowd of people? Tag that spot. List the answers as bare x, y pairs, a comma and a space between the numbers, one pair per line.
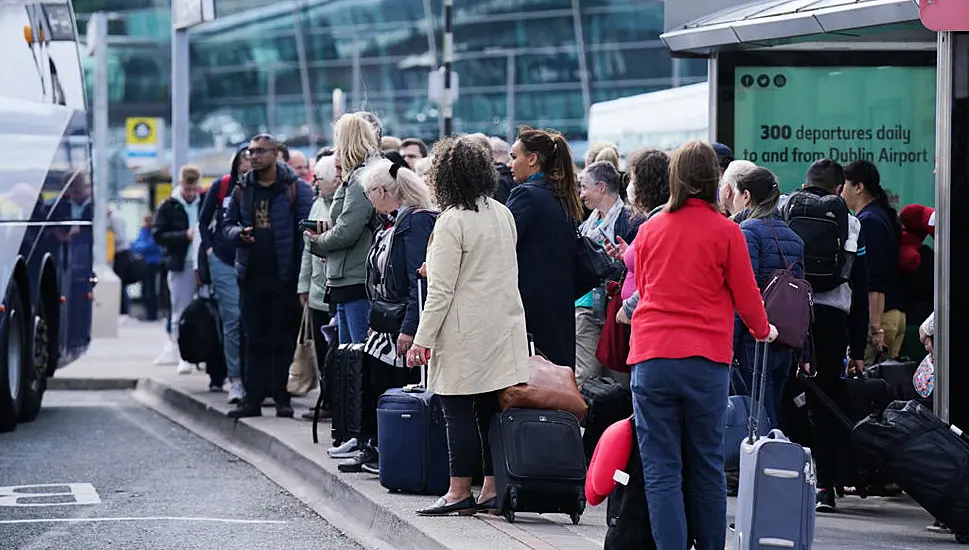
486, 234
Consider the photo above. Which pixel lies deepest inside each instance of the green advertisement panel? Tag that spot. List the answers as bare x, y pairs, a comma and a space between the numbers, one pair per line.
785, 118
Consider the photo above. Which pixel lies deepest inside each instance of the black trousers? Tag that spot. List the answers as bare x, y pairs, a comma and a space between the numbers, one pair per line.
378, 377
832, 448
321, 319
468, 419
270, 316
216, 370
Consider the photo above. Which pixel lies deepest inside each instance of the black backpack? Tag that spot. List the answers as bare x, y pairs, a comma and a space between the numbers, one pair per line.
822, 223
200, 331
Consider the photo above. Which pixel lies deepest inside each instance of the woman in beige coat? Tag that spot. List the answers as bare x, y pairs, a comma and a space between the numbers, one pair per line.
473, 325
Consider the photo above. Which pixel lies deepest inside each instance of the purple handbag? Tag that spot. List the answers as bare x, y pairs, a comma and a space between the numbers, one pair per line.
789, 303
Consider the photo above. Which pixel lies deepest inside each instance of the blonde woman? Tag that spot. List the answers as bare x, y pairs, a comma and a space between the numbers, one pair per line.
473, 311
312, 274
398, 251
346, 243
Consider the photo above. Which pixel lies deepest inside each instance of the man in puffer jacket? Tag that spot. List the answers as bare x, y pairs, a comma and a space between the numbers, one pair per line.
263, 218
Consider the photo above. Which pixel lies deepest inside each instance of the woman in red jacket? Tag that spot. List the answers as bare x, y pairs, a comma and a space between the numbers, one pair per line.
692, 272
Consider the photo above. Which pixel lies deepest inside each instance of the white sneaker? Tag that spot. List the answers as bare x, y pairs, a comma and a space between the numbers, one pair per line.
169, 354
236, 393
348, 449
184, 367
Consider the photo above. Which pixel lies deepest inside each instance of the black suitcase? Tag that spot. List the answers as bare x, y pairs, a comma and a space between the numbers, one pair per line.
609, 402
344, 376
928, 458
862, 397
539, 463
898, 374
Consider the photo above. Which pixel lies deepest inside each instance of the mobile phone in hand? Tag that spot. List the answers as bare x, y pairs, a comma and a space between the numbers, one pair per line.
309, 225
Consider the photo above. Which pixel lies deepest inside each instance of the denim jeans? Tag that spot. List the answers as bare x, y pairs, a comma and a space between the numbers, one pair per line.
680, 407
149, 292
353, 318
778, 371
225, 285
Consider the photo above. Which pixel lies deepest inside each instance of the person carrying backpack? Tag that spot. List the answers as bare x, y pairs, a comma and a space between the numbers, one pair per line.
835, 265
263, 218
220, 253
772, 247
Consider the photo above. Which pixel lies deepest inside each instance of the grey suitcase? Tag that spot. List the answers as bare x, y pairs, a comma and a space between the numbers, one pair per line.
777, 493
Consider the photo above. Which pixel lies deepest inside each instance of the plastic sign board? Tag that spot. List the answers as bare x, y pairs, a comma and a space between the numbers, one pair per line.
945, 15
189, 13
435, 85
145, 140
785, 118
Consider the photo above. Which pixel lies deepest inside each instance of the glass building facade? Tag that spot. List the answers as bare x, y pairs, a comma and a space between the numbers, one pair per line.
271, 66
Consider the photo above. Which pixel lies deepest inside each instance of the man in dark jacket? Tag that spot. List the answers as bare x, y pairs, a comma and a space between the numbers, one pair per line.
220, 254
174, 230
506, 180
263, 220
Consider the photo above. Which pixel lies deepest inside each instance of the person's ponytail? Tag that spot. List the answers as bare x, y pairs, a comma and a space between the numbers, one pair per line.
561, 172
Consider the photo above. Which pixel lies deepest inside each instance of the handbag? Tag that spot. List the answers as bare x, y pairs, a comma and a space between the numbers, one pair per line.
550, 387
303, 375
592, 265
613, 347
789, 303
387, 315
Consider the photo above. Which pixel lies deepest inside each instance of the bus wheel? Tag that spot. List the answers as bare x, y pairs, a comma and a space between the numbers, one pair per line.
14, 360
35, 377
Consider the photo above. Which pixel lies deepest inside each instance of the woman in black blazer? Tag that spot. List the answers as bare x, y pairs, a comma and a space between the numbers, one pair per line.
547, 210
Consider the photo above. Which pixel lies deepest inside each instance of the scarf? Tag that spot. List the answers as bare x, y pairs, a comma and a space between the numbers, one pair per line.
599, 227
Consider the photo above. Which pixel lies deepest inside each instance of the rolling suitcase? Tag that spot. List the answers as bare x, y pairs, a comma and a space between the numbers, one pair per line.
927, 457
776, 497
739, 408
412, 441
897, 374
539, 463
344, 376
864, 397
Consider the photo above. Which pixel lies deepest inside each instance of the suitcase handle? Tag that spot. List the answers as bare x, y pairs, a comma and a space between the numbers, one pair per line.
422, 386
759, 380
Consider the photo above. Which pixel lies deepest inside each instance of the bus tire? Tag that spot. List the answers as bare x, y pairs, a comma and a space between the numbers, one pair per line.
35, 378
14, 359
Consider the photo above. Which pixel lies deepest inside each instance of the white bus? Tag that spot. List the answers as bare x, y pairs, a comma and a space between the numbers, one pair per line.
662, 120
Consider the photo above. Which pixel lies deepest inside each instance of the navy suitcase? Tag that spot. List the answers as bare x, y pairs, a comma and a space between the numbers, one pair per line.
412, 441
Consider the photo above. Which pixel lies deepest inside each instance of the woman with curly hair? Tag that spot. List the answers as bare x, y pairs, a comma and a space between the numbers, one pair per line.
474, 351
648, 190
547, 210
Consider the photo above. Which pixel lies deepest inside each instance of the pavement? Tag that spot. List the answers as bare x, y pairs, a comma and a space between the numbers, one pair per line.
283, 450
99, 470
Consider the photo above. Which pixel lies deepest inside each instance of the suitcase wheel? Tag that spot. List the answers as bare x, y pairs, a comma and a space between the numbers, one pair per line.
514, 499
575, 517
510, 515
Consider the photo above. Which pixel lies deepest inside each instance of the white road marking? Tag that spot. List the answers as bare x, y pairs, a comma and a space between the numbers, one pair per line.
155, 518
26, 496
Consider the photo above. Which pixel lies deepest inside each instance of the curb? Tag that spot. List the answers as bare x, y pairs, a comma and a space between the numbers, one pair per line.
91, 384
339, 503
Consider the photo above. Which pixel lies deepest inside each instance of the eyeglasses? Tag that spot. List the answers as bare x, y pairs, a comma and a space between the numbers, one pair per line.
254, 151
370, 192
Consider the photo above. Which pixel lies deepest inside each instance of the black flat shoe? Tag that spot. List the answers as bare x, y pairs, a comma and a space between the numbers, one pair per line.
464, 507
244, 411
489, 506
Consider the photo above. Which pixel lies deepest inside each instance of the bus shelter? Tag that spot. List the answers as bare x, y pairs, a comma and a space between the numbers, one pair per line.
794, 81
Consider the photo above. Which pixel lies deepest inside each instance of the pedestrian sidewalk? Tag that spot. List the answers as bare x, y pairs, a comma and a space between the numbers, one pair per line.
356, 503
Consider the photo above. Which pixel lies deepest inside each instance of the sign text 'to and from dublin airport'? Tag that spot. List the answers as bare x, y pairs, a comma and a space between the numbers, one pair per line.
785, 118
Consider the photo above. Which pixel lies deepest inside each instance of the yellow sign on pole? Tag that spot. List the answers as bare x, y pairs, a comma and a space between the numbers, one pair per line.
142, 131
145, 137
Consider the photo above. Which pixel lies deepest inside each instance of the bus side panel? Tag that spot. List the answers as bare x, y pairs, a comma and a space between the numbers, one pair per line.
46, 203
